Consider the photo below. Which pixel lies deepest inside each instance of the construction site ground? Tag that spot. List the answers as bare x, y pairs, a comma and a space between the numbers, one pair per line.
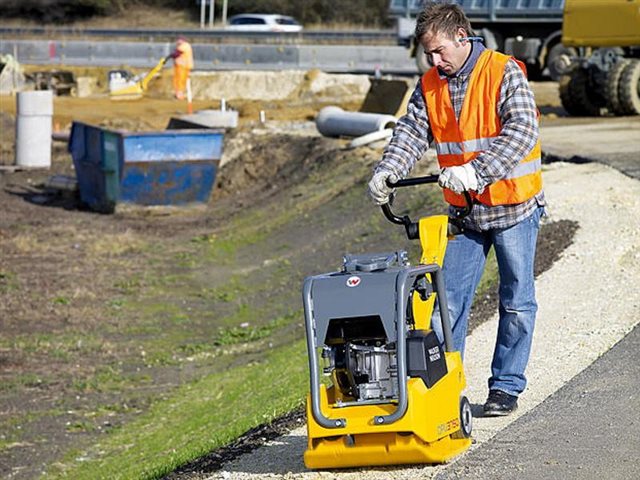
103, 315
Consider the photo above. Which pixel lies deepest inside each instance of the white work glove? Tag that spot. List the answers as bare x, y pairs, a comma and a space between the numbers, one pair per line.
459, 179
379, 191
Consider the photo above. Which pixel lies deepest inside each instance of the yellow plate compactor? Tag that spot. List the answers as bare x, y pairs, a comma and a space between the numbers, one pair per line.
124, 86
395, 394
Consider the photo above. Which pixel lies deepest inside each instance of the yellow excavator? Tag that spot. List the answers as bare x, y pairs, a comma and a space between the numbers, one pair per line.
124, 86
602, 77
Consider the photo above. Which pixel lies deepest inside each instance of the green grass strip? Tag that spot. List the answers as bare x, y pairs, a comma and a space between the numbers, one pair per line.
196, 419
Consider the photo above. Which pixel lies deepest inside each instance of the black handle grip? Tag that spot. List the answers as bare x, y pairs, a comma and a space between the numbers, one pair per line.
410, 182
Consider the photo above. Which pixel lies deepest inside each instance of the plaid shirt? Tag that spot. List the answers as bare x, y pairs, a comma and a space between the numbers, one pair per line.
518, 115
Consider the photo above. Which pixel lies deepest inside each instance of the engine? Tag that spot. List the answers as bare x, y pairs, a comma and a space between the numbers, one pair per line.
363, 372
359, 361
363, 364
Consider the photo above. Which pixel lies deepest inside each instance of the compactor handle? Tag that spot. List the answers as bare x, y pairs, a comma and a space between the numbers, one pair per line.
409, 182
410, 226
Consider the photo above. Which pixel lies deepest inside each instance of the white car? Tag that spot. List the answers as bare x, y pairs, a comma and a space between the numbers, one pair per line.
263, 22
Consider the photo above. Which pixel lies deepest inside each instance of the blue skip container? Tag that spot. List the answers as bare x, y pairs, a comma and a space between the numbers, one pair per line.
168, 167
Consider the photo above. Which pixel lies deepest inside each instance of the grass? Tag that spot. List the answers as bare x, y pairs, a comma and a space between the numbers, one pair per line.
109, 378
11, 428
232, 290
129, 285
67, 345
25, 380
26, 244
8, 282
196, 419
244, 232
61, 300
247, 333
116, 244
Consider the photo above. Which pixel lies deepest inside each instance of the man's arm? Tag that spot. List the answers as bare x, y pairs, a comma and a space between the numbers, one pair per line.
519, 134
411, 138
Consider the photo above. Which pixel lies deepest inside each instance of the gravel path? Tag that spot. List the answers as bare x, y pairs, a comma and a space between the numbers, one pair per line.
587, 302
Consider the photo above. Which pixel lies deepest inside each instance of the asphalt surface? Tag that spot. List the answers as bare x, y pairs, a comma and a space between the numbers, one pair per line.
588, 429
611, 141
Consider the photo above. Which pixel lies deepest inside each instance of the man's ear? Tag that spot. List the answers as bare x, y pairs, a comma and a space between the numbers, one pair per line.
462, 36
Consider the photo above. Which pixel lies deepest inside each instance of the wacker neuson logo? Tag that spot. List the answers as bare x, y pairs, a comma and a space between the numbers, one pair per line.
353, 281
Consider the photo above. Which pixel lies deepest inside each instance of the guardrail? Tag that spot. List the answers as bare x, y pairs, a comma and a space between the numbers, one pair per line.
217, 35
330, 58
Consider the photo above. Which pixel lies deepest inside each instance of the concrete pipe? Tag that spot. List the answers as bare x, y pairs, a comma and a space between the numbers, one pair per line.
384, 134
335, 122
33, 128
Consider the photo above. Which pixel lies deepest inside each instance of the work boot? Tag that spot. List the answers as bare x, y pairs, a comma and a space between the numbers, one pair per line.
499, 404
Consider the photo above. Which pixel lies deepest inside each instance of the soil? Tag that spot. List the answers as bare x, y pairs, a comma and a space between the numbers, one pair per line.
64, 271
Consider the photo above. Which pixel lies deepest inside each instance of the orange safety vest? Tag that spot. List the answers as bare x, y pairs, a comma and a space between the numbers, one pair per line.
185, 59
459, 142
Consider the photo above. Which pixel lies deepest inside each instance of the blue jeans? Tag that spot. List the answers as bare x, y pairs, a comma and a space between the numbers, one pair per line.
463, 266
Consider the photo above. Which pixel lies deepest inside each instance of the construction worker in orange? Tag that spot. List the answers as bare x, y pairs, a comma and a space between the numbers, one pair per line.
182, 66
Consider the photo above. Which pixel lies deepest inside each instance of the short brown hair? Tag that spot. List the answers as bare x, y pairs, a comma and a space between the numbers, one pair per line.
443, 18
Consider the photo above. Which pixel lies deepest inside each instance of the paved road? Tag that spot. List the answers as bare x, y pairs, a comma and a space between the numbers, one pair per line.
612, 141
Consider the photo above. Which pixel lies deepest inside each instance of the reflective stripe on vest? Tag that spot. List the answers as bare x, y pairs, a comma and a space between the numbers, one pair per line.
453, 148
460, 141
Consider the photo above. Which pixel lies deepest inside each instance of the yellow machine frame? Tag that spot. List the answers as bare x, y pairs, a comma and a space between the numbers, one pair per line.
429, 432
601, 23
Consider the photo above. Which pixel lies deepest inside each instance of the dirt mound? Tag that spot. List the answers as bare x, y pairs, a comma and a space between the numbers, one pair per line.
293, 85
269, 162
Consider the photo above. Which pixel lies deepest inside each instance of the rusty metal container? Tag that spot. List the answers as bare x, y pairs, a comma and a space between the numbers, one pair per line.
168, 167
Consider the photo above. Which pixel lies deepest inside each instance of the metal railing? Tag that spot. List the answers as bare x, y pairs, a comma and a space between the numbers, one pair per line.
330, 58
216, 35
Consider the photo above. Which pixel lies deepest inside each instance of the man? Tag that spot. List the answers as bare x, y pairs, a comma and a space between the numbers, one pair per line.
182, 66
475, 106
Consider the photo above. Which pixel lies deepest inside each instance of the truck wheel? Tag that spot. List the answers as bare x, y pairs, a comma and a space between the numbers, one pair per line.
422, 60
558, 60
629, 89
466, 419
578, 97
567, 98
612, 87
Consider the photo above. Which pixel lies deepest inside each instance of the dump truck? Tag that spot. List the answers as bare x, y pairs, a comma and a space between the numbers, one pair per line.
602, 77
531, 31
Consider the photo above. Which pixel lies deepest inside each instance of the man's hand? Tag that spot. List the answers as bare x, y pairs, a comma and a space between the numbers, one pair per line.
379, 191
459, 178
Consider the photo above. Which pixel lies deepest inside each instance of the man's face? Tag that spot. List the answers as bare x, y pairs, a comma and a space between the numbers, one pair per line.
445, 53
